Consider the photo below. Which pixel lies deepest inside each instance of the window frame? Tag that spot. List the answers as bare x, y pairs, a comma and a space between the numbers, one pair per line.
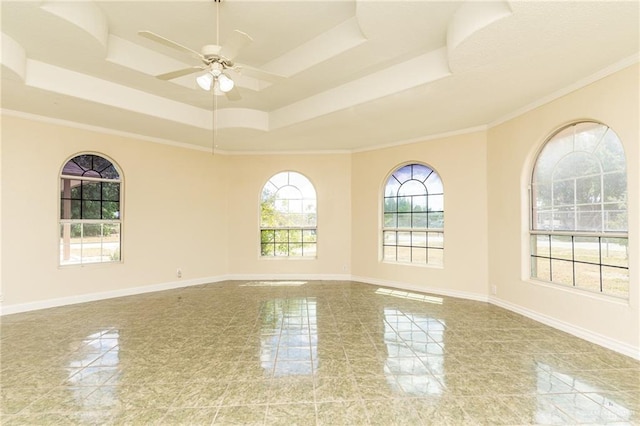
573, 237
302, 229
70, 221
411, 230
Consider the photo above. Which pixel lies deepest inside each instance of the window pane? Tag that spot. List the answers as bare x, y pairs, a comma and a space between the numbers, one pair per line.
404, 254
419, 203
615, 217
420, 172
435, 256
419, 239
404, 204
389, 252
615, 281
111, 242
564, 220
91, 190
282, 249
589, 218
563, 193
587, 276
435, 240
389, 237
543, 221
435, 203
586, 249
434, 184
562, 272
419, 255
296, 220
615, 252
282, 235
267, 249
309, 235
267, 236
295, 249
436, 220
91, 210
419, 220
611, 152
540, 269
561, 247
110, 210
588, 190
404, 220
110, 191
295, 236
390, 220
404, 238
309, 249
390, 204
540, 245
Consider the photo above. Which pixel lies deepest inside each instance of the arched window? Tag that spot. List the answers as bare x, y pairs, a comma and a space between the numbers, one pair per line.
579, 210
288, 217
90, 211
413, 210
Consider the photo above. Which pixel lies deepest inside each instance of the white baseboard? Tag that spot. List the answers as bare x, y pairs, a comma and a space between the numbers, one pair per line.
598, 339
92, 297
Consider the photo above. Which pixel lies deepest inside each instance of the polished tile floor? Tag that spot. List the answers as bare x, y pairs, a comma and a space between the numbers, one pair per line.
318, 352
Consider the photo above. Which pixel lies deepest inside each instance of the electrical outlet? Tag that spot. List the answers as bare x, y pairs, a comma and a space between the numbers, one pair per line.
179, 273
494, 289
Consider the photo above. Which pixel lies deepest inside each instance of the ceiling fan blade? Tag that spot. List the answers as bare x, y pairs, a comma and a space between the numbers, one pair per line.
233, 94
179, 73
234, 44
258, 73
169, 43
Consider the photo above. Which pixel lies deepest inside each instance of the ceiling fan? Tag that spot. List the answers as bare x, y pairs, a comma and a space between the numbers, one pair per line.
216, 61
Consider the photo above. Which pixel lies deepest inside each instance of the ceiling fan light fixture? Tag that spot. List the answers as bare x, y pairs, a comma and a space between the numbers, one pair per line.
225, 83
205, 81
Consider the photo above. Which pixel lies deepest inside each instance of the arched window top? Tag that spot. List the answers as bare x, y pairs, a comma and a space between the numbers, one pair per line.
579, 181
286, 185
580, 149
91, 166
413, 179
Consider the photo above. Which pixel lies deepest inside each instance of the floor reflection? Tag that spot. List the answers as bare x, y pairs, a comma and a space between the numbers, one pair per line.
94, 363
289, 336
563, 396
415, 352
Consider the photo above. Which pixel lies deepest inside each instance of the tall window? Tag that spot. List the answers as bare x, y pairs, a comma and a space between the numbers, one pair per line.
579, 211
413, 209
288, 217
90, 211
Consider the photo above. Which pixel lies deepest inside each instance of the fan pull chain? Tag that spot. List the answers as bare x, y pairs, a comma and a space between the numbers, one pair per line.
214, 123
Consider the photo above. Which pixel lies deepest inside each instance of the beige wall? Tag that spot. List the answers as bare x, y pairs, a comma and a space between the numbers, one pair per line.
460, 162
331, 176
174, 213
512, 147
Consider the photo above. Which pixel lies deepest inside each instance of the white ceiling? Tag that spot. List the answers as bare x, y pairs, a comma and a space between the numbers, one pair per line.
359, 73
